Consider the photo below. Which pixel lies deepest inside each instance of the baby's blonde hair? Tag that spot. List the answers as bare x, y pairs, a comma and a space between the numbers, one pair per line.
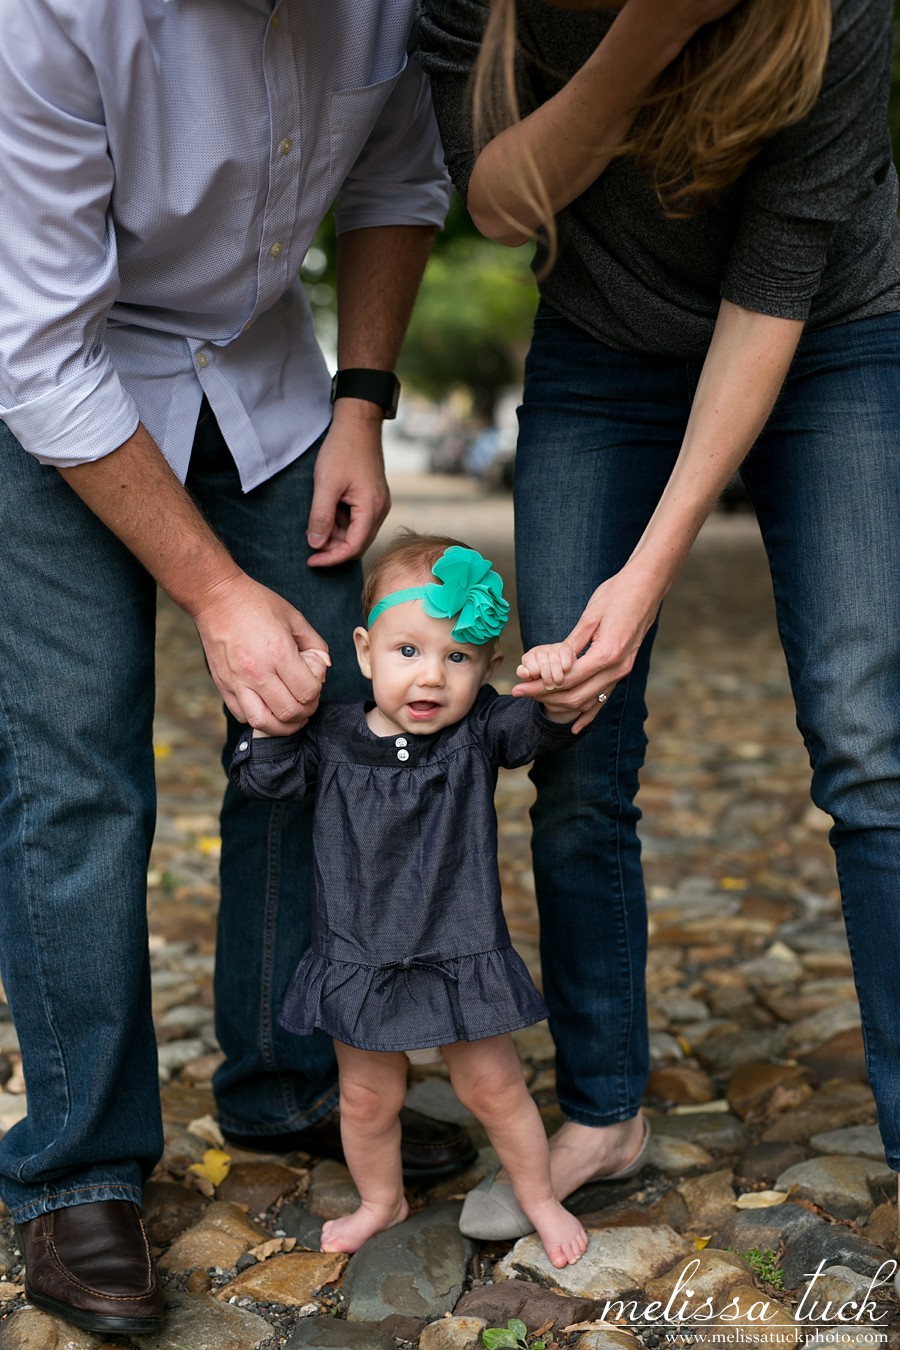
408, 553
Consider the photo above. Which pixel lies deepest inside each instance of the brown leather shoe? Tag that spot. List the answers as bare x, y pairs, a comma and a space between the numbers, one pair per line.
429, 1149
92, 1266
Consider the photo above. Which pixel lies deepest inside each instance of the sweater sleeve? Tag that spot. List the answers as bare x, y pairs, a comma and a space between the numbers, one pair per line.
515, 730
815, 174
276, 768
450, 33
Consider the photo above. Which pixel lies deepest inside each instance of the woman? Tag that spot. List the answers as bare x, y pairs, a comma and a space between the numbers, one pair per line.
719, 266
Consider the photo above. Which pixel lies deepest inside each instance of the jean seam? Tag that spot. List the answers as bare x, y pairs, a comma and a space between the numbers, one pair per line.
30, 890
273, 881
273, 899
625, 1046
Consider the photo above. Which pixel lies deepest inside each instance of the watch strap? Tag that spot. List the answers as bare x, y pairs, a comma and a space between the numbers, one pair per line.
375, 386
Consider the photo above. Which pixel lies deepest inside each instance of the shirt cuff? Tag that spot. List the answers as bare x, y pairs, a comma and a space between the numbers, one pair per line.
77, 422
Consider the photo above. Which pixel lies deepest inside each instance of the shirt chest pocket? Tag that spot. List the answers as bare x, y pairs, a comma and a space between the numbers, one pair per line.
353, 114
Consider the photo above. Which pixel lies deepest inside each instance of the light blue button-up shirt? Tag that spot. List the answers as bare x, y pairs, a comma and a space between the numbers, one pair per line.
164, 166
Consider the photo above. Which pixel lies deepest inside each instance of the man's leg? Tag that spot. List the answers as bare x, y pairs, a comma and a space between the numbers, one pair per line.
274, 1084
825, 481
77, 808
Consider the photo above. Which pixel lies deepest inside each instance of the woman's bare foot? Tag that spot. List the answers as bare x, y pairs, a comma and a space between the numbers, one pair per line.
579, 1153
564, 1239
350, 1232
583, 1153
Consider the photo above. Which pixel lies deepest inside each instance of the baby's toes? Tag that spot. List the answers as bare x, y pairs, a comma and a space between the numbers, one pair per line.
575, 1248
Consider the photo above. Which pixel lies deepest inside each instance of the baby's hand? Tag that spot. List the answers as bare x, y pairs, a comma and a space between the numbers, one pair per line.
550, 664
318, 663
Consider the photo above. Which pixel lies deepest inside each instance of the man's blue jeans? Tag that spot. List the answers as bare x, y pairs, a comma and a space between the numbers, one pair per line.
77, 809
599, 433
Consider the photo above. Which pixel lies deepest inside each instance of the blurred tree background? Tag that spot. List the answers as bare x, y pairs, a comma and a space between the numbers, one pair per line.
472, 320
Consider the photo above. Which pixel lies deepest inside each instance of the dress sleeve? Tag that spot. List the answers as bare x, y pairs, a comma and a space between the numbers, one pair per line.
815, 174
276, 768
450, 33
515, 730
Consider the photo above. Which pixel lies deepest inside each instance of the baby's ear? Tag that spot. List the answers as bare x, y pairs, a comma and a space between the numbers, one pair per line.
492, 666
361, 641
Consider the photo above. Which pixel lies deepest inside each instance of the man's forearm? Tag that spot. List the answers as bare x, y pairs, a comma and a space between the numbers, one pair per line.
137, 496
379, 271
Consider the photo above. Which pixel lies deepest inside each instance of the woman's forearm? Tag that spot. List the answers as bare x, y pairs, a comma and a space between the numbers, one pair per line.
742, 375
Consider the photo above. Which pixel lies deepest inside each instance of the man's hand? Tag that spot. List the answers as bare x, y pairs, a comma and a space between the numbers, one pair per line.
351, 496
267, 661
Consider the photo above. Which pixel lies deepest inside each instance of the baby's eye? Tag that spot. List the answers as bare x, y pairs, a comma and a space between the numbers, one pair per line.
407, 649
458, 657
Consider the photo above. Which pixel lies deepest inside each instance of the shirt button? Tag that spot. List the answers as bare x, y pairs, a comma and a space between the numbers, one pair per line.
243, 745
203, 360
275, 250
286, 146
401, 741
403, 755
276, 21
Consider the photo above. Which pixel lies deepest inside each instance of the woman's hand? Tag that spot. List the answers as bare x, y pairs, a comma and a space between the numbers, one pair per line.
609, 633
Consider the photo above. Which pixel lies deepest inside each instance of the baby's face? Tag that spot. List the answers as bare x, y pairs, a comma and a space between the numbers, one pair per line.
422, 679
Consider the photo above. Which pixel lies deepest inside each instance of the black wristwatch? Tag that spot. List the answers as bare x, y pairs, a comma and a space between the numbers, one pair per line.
375, 386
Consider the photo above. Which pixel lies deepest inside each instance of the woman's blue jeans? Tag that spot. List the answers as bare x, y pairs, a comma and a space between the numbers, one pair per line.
77, 809
599, 433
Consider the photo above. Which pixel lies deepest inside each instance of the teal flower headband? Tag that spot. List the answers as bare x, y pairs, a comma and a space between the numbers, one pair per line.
470, 592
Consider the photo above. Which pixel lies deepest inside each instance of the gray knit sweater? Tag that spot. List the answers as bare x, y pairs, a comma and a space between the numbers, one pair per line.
809, 232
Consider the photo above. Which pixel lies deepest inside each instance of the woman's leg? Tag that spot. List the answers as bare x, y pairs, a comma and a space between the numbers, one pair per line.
825, 480
373, 1087
487, 1077
599, 433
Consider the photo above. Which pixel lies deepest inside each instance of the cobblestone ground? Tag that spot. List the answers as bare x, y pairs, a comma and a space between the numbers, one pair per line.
765, 1167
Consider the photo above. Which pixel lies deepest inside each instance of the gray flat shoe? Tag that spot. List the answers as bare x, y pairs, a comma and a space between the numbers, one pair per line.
492, 1213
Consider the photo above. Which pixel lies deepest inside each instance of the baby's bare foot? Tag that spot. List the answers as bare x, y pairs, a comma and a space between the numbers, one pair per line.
564, 1239
350, 1232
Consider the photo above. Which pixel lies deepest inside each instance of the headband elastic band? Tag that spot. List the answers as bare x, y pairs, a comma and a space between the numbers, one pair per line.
470, 591
395, 598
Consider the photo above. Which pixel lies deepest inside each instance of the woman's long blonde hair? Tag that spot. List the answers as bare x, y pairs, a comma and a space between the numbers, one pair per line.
736, 83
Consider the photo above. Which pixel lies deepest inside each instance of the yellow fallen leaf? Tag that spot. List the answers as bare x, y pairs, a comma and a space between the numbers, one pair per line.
210, 844
733, 884
701, 1242
761, 1199
162, 751
215, 1166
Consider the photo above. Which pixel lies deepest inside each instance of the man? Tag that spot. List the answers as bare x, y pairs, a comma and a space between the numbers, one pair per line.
165, 165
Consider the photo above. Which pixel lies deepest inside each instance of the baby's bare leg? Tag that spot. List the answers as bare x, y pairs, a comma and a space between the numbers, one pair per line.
373, 1088
487, 1078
